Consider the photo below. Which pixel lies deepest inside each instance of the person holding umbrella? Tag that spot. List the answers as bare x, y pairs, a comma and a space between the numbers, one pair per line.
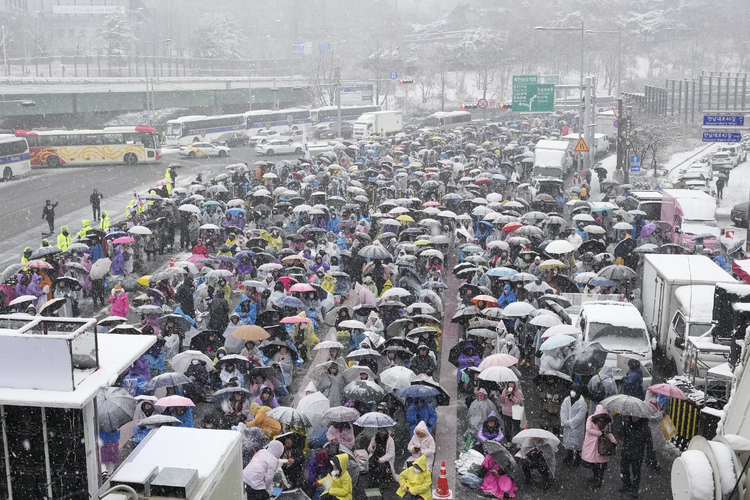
597, 425
538, 454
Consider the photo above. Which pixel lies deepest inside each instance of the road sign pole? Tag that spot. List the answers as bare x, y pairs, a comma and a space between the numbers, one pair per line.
587, 126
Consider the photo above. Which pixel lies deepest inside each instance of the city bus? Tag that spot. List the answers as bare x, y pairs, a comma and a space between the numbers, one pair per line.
280, 120
14, 156
447, 119
129, 145
185, 130
348, 113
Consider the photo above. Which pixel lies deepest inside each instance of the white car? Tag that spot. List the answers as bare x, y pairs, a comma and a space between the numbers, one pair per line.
279, 147
263, 136
204, 149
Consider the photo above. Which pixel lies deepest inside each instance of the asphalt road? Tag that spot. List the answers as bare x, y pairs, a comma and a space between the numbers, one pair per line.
21, 200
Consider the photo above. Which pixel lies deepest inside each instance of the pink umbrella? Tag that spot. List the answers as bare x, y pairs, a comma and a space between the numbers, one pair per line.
290, 320
287, 280
301, 287
366, 297
123, 239
38, 264
174, 401
163, 183
668, 390
505, 360
431, 204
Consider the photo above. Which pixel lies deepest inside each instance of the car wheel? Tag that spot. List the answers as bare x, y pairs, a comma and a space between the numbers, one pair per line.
191, 154
52, 161
195, 139
222, 154
130, 159
269, 152
7, 174
298, 151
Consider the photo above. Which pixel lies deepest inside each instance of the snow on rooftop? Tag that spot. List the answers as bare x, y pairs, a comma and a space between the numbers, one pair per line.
185, 448
688, 268
698, 301
116, 354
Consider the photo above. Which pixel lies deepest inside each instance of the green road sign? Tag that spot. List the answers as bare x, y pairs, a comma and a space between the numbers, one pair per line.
532, 97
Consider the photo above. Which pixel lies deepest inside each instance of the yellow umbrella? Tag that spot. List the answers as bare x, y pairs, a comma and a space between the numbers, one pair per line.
551, 263
334, 166
143, 280
404, 218
420, 243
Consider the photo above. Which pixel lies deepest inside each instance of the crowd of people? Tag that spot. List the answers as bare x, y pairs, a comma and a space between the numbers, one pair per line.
326, 279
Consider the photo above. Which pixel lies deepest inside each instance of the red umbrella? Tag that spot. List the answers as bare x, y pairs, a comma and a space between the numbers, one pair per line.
288, 281
485, 298
38, 264
512, 226
290, 320
302, 287
483, 180
124, 239
174, 401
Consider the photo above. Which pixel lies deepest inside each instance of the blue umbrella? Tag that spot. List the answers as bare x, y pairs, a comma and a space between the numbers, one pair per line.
236, 211
375, 419
287, 301
502, 272
499, 177
599, 281
418, 391
227, 258
557, 341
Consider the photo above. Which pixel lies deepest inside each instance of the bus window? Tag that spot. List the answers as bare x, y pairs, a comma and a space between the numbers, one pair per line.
12, 148
33, 140
147, 140
111, 139
130, 138
92, 140
71, 140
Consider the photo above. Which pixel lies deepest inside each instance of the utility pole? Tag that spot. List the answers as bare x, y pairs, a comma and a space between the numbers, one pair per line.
621, 140
587, 125
338, 102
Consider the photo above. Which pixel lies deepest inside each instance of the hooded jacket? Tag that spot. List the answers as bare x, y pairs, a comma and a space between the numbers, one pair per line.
341, 486
607, 378
418, 484
63, 241
260, 471
415, 415
484, 434
268, 425
328, 284
86, 226
573, 422
426, 445
590, 450
120, 305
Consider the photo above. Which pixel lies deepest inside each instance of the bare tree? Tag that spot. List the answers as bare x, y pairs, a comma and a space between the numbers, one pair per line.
482, 50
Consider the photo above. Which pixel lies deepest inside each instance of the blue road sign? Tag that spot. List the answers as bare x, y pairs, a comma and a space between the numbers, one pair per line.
723, 121
635, 163
301, 49
722, 137
393, 75
324, 47
616, 123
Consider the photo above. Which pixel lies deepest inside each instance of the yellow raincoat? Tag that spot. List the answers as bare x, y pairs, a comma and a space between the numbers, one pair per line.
86, 226
419, 485
63, 241
328, 285
272, 241
339, 487
266, 424
386, 286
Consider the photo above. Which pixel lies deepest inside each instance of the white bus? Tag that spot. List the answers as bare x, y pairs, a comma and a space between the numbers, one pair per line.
348, 113
280, 120
185, 130
15, 159
447, 119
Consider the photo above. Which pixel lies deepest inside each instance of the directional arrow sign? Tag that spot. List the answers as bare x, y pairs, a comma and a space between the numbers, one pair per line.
722, 137
581, 147
723, 121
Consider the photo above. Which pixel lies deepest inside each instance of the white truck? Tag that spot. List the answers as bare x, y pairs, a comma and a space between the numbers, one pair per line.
678, 302
551, 159
378, 122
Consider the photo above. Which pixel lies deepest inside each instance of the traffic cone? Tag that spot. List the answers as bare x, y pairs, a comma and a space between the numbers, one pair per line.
442, 492
171, 261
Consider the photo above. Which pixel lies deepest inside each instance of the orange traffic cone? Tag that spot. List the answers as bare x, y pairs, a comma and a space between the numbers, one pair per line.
171, 261
442, 492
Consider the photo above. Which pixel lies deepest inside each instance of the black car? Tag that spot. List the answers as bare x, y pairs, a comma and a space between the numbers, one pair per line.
739, 214
232, 139
347, 130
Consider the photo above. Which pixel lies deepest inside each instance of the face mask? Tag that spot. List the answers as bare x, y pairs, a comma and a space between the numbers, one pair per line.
572, 394
417, 470
335, 473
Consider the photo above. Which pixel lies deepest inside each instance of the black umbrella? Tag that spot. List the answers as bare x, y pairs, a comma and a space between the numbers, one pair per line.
268, 318
593, 246
502, 456
73, 283
270, 349
44, 251
267, 373
565, 284
590, 359
443, 399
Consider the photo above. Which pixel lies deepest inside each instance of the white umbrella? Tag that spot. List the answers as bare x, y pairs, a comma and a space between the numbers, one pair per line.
498, 374
593, 229
536, 433
398, 377
559, 247
545, 321
517, 309
561, 330
100, 268
396, 292
182, 361
139, 230
210, 226
187, 207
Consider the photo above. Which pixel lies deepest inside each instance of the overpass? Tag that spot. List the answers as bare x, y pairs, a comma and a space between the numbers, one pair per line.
78, 102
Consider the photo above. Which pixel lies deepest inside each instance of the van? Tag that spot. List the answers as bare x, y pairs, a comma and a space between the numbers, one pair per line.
689, 213
620, 329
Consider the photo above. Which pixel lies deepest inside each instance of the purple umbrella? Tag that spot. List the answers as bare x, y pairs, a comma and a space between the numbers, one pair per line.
648, 229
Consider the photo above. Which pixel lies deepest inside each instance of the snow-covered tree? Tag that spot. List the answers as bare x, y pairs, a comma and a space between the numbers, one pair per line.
117, 34
219, 37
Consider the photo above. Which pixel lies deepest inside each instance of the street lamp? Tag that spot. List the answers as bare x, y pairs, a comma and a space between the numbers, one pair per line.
580, 102
619, 52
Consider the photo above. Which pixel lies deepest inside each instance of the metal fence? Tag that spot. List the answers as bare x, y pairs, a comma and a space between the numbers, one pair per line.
139, 66
688, 100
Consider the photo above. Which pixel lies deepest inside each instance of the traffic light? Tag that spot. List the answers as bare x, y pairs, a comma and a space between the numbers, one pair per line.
506, 106
468, 106
405, 81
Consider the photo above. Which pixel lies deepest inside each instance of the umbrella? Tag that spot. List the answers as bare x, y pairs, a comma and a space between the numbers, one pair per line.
124, 239
545, 321
294, 494
668, 390
628, 405
360, 353
352, 323
169, 379
617, 273
292, 302
556, 342
115, 407
301, 287
289, 416
11, 271
187, 207
597, 229
100, 268
340, 414
536, 433
418, 391
139, 230
182, 361
517, 310
375, 251
174, 401
22, 299
227, 392
363, 390
502, 456
559, 247
51, 306
353, 373
39, 264
328, 344
150, 309
155, 420
291, 320
551, 263
44, 251
396, 292
590, 359
499, 359
498, 374
396, 378
561, 330
375, 419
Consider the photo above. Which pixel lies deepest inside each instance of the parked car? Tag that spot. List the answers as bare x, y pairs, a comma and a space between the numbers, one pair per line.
739, 214
232, 139
295, 135
279, 147
347, 131
263, 136
204, 149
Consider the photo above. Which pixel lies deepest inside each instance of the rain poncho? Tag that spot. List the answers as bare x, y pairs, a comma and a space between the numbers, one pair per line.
344, 434
340, 486
269, 426
418, 483
602, 385
260, 471
573, 422
478, 413
498, 485
419, 446
426, 413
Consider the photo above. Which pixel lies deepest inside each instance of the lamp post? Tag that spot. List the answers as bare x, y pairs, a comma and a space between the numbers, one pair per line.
580, 104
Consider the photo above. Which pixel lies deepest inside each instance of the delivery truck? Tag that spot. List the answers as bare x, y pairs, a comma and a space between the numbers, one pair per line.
689, 213
379, 122
552, 159
678, 302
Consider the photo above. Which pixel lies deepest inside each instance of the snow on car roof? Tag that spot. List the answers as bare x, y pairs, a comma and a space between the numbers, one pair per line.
685, 267
698, 301
613, 313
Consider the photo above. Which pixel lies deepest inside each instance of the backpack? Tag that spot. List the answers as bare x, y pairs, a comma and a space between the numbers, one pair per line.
598, 393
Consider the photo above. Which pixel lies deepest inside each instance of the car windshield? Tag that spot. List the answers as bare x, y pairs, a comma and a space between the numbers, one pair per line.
698, 329
174, 129
541, 171
618, 338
